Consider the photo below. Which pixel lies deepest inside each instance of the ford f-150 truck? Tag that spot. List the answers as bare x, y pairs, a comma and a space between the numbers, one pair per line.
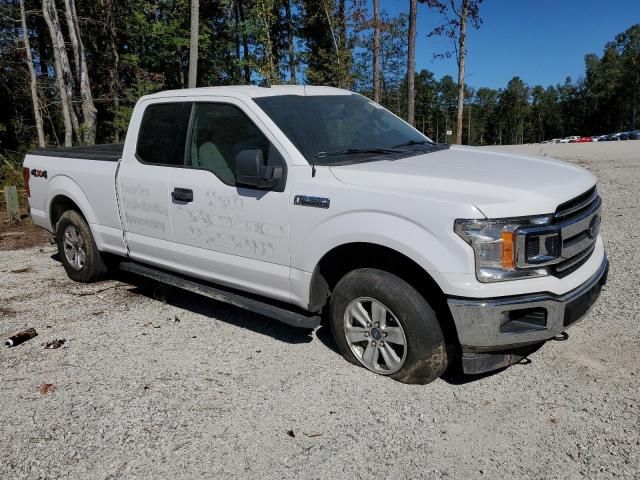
303, 203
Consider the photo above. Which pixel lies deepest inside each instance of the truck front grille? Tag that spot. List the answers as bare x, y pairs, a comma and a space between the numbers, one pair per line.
568, 242
580, 224
576, 205
570, 265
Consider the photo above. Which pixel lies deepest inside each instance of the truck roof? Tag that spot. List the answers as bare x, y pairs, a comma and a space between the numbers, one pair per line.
250, 91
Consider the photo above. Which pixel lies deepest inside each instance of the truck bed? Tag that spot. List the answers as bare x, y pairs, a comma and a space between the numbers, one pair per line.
108, 152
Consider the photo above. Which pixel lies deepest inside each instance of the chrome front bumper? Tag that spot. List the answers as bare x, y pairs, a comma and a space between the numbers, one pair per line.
490, 327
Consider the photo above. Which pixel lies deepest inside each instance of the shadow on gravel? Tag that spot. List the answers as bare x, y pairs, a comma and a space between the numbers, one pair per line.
210, 308
238, 317
207, 307
455, 376
324, 334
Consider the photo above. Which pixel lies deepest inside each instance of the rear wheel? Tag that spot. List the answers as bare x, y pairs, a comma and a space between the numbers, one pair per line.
380, 322
77, 249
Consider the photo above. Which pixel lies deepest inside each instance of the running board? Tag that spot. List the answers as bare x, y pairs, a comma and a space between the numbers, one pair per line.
289, 316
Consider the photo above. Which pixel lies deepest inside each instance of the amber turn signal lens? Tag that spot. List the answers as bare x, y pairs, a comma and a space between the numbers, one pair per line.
508, 250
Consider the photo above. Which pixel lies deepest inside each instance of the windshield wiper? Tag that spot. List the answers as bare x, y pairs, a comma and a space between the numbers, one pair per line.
351, 151
413, 142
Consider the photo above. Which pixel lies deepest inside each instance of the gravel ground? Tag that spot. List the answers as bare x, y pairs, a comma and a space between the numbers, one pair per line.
169, 385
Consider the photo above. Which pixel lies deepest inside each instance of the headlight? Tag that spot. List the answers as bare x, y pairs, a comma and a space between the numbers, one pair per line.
495, 243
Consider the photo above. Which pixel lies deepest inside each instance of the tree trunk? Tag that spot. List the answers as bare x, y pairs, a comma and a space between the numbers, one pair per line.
376, 51
446, 125
469, 125
63, 71
268, 47
236, 22
462, 53
32, 77
411, 63
245, 44
335, 42
73, 35
53, 128
290, 40
114, 83
89, 112
341, 25
193, 44
634, 109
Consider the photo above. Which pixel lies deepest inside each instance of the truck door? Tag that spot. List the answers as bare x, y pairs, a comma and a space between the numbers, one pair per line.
224, 232
155, 142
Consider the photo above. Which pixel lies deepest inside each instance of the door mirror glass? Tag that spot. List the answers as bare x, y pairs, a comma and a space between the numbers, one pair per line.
252, 171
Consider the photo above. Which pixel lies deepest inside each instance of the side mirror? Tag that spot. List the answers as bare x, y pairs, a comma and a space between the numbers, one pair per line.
251, 170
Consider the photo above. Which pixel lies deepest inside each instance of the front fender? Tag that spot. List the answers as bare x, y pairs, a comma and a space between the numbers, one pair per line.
435, 253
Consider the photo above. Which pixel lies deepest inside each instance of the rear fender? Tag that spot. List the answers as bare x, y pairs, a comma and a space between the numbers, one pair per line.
62, 185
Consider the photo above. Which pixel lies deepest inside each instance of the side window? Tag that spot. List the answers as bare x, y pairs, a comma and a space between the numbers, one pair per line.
161, 139
220, 131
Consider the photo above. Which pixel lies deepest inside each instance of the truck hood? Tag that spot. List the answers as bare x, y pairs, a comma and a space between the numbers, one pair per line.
500, 184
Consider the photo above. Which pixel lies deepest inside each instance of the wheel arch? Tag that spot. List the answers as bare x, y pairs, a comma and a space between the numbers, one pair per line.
65, 195
344, 258
60, 204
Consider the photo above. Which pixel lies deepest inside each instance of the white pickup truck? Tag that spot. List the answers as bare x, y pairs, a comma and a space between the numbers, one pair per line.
303, 203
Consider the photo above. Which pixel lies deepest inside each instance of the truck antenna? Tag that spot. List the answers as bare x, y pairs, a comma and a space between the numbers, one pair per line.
313, 162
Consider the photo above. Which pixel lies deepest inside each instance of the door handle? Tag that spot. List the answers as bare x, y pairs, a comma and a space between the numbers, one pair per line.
182, 195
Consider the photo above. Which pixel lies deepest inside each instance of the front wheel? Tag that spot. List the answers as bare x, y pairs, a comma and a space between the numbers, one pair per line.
381, 322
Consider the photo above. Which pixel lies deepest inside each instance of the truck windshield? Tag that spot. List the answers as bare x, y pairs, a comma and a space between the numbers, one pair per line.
343, 129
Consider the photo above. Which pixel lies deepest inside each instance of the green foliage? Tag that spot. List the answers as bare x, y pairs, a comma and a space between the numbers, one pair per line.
138, 47
329, 43
11, 171
393, 59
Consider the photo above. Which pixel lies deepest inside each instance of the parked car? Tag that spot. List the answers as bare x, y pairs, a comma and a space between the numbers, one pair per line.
293, 201
619, 136
625, 135
635, 135
569, 139
582, 140
612, 137
599, 138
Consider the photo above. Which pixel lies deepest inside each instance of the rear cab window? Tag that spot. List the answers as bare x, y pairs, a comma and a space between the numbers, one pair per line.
163, 132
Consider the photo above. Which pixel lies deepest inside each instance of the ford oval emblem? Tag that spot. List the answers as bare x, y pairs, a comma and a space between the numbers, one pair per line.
594, 226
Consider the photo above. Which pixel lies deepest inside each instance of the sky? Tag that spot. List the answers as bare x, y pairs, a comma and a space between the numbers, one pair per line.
541, 41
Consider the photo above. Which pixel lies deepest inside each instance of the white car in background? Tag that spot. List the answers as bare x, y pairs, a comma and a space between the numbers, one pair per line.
568, 139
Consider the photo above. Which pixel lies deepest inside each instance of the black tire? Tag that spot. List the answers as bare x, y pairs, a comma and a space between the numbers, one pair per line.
425, 358
93, 267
